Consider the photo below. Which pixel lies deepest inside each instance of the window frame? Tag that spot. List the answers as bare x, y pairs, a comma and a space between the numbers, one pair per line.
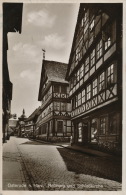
95, 87
88, 92
99, 49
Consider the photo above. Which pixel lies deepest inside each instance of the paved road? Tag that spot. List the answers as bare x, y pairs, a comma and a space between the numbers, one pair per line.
42, 167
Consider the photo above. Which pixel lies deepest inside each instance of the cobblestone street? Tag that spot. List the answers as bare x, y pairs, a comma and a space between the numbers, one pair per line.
51, 167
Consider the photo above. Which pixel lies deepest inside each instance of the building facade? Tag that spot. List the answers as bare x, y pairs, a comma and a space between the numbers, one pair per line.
95, 76
12, 20
54, 122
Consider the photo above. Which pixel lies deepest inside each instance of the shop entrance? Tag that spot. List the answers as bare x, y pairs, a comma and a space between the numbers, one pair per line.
82, 132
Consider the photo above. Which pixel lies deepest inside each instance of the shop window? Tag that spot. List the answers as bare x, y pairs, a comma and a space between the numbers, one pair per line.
94, 130
110, 75
88, 92
59, 126
93, 58
56, 88
83, 96
95, 85
102, 81
99, 49
63, 89
87, 65
113, 124
80, 132
102, 126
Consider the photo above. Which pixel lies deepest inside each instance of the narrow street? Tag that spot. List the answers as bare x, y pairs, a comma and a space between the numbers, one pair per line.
30, 165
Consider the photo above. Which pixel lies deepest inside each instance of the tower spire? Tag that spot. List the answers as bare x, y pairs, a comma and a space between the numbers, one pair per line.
43, 53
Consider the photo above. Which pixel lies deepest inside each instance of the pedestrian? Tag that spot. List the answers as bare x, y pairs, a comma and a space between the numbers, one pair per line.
71, 140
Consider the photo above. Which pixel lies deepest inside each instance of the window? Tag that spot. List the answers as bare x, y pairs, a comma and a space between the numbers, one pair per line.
59, 126
92, 57
71, 83
57, 106
92, 25
102, 81
88, 92
94, 130
87, 65
82, 71
102, 125
83, 96
63, 106
95, 85
113, 124
56, 88
79, 99
99, 49
80, 132
73, 103
63, 89
110, 75
107, 43
75, 79
76, 101
78, 76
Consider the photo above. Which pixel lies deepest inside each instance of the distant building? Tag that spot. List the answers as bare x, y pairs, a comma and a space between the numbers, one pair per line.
54, 123
12, 20
95, 76
21, 124
30, 124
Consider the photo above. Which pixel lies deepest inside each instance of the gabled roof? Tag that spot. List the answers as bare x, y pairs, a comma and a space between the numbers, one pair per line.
55, 71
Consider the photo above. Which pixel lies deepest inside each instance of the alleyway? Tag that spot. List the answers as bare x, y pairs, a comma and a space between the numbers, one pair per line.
29, 165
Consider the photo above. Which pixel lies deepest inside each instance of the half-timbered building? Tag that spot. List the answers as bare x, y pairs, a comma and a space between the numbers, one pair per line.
95, 76
54, 122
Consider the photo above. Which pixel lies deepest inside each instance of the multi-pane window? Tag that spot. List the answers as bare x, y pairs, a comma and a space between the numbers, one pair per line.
107, 43
75, 79
57, 106
92, 57
76, 101
63, 106
102, 125
83, 96
79, 99
110, 75
102, 81
87, 65
71, 83
78, 76
73, 103
82, 71
63, 89
88, 92
95, 87
99, 49
56, 88
92, 25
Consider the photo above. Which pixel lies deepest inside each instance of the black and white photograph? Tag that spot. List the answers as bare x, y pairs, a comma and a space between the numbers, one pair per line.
62, 96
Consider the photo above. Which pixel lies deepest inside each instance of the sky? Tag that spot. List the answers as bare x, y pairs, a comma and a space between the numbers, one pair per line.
46, 26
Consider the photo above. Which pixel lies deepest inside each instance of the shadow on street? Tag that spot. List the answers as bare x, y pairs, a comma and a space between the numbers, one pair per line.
90, 165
